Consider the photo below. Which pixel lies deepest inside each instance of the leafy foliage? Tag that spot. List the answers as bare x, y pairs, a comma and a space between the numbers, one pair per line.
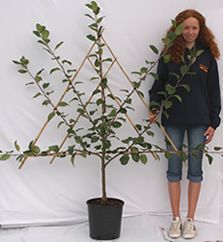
94, 131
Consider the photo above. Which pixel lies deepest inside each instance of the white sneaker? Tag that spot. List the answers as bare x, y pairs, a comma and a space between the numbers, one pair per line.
189, 229
175, 228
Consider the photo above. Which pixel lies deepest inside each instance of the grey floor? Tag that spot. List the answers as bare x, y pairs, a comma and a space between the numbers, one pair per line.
143, 228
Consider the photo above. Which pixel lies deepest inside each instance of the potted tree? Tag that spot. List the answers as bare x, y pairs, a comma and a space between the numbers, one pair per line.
95, 130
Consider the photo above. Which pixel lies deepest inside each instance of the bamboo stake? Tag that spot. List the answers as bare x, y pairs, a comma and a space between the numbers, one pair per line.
61, 98
141, 98
88, 101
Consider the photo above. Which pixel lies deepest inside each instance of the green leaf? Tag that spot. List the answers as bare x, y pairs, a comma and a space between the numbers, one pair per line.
186, 87
178, 97
54, 69
136, 85
167, 104
60, 123
99, 20
88, 5
36, 33
58, 45
29, 83
72, 159
183, 156
45, 34
37, 95
112, 113
124, 159
22, 71
167, 41
53, 58
167, 154
171, 35
40, 27
139, 140
199, 52
17, 147
24, 61
135, 157
30, 145
91, 37
174, 23
217, 148
175, 75
154, 105
43, 43
183, 69
143, 158
179, 29
72, 70
163, 93
50, 116
5, 157
139, 127
36, 149
154, 49
89, 16
97, 63
210, 158
54, 148
46, 102
154, 75
166, 58
123, 110
95, 7
99, 101
16, 62
166, 114
104, 82
94, 139
38, 78
136, 73
143, 70
70, 150
63, 104
66, 61
107, 60
83, 154
170, 89
97, 147
45, 85
116, 124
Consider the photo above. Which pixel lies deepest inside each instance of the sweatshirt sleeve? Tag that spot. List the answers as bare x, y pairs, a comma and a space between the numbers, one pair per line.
214, 94
158, 85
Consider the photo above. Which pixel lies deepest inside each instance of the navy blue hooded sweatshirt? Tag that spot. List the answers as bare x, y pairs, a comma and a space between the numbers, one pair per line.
202, 104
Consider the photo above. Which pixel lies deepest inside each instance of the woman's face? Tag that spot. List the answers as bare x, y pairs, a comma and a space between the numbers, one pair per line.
191, 30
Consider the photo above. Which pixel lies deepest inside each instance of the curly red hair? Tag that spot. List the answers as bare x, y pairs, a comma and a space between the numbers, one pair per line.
205, 37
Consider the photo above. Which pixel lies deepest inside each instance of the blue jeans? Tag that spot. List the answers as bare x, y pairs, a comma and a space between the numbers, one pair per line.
195, 136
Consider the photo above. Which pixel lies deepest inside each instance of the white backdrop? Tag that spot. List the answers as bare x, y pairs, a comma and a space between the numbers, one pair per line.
43, 193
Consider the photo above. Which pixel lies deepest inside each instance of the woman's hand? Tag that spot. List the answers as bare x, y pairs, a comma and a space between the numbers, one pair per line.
209, 133
153, 116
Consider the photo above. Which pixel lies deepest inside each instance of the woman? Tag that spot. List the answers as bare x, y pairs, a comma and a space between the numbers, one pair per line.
195, 111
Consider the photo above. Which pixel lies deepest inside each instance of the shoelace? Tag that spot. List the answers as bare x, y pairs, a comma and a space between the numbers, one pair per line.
174, 225
189, 226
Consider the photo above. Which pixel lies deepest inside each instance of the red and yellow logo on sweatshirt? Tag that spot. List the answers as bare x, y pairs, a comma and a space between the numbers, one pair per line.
203, 67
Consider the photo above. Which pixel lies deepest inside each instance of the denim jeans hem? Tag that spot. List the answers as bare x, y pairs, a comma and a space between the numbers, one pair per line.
173, 178
195, 178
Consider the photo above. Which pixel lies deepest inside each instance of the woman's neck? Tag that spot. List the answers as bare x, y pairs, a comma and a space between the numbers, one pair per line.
190, 45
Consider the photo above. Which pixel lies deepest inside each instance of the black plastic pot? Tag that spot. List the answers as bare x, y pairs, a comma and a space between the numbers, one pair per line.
105, 220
